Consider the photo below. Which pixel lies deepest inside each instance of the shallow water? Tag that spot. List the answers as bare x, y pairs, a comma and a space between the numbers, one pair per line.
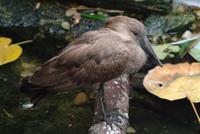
57, 113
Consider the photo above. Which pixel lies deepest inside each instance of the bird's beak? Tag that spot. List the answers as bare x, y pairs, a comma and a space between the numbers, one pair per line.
149, 50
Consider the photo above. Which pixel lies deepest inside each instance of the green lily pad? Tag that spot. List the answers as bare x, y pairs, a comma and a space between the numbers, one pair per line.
159, 50
184, 44
166, 50
195, 51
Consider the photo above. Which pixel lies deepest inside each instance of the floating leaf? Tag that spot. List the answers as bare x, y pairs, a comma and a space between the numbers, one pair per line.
173, 82
94, 16
163, 51
195, 51
9, 53
185, 45
181, 47
4, 41
160, 52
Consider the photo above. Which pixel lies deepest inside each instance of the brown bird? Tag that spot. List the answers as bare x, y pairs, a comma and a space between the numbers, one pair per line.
120, 47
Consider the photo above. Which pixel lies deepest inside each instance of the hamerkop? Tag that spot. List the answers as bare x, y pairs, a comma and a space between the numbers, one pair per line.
120, 47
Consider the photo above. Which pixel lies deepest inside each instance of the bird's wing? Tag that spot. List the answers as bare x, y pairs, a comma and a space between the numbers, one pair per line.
94, 57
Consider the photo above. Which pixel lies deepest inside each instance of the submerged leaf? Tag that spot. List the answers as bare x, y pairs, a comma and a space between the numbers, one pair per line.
131, 130
8, 114
81, 98
27, 68
181, 47
65, 25
70, 12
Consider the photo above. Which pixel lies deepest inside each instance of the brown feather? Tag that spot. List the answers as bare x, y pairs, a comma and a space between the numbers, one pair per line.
96, 56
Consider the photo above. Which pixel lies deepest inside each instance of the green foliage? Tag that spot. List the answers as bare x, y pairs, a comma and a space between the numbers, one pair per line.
185, 45
174, 22
163, 51
190, 45
195, 51
97, 16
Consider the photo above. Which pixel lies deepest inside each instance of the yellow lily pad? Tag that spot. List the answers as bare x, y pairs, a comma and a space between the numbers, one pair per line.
9, 52
4, 41
173, 82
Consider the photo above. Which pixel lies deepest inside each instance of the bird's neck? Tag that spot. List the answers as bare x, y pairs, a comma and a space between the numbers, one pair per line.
122, 33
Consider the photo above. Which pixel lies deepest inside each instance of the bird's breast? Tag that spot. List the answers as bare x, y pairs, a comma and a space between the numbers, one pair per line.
137, 59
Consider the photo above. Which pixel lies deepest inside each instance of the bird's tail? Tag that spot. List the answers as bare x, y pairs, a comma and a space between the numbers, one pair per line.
28, 87
36, 92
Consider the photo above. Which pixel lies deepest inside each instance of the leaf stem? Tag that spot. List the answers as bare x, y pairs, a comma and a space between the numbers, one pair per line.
23, 42
195, 110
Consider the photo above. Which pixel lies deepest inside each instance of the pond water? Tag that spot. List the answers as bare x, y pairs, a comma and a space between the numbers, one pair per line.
58, 114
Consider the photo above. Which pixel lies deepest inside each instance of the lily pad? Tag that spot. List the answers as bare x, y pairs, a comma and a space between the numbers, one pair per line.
185, 45
173, 82
195, 51
9, 53
163, 51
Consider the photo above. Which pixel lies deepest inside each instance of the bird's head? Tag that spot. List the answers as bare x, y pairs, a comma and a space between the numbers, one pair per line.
137, 31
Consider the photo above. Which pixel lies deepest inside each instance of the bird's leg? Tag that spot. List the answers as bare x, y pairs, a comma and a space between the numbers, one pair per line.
117, 118
100, 94
106, 116
110, 118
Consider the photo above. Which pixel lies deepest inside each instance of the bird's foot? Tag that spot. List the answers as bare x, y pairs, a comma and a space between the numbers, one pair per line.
115, 118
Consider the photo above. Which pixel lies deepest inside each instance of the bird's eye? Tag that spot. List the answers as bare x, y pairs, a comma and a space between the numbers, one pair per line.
135, 33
